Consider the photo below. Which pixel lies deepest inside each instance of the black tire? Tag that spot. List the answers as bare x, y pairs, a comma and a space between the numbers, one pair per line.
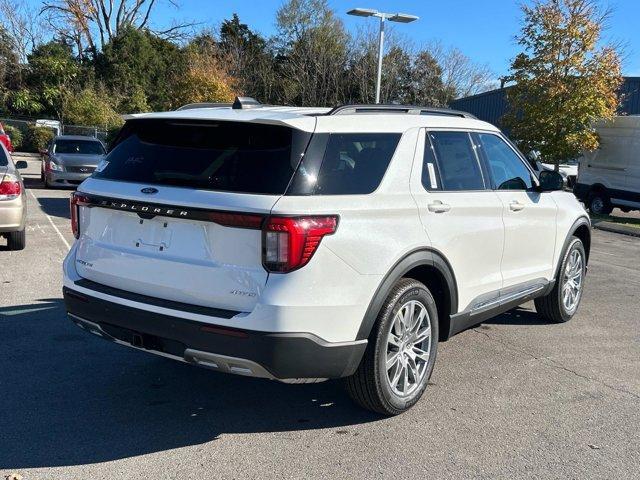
599, 203
16, 240
551, 306
369, 386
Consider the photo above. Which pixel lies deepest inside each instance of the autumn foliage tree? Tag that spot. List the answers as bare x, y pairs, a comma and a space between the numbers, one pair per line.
564, 80
204, 79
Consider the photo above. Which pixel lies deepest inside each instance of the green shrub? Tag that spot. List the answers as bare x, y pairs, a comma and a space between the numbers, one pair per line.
15, 135
91, 107
37, 138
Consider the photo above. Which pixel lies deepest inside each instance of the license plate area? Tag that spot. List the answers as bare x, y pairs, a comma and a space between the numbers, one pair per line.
153, 235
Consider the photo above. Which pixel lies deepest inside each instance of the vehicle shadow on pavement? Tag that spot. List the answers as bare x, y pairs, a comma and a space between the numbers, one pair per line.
70, 398
55, 206
31, 181
518, 316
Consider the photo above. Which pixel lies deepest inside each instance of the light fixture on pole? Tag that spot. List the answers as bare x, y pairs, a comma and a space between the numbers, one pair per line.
392, 17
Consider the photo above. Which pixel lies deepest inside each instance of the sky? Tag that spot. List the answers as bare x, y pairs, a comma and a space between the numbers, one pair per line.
483, 29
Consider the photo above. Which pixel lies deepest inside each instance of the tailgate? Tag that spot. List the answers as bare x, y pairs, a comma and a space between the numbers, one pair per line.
164, 249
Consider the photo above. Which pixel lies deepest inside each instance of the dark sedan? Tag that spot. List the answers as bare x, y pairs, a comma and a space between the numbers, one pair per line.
69, 159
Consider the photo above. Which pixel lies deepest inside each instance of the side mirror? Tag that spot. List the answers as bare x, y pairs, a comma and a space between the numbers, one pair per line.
550, 181
21, 164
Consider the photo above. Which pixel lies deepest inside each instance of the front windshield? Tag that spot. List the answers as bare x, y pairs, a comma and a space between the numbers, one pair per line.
81, 147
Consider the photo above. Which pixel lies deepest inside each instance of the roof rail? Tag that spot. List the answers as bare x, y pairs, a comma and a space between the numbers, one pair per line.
240, 103
386, 108
243, 103
191, 106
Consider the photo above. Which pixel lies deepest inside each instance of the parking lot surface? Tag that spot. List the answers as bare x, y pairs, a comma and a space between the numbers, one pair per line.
512, 398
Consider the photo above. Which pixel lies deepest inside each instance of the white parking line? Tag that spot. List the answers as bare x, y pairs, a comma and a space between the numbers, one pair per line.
64, 240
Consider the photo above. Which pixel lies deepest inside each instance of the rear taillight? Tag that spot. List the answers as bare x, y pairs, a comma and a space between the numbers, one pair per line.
10, 187
77, 200
289, 243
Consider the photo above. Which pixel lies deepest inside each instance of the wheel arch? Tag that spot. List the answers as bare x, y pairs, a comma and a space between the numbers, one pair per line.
581, 229
597, 188
429, 267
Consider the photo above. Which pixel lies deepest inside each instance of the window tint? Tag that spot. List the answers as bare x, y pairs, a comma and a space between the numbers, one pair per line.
3, 158
352, 163
212, 155
507, 169
457, 163
82, 147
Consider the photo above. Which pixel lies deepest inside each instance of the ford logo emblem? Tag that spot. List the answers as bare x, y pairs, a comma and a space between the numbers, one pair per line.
149, 190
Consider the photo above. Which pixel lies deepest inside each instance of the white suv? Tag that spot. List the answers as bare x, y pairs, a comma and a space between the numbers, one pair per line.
306, 244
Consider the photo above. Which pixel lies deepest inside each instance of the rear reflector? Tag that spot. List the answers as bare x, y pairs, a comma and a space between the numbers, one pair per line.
225, 331
290, 242
10, 188
239, 220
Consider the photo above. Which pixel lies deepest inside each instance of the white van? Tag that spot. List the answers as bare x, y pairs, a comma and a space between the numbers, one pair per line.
609, 177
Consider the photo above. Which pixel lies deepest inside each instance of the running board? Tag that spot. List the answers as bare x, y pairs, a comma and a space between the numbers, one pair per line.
489, 308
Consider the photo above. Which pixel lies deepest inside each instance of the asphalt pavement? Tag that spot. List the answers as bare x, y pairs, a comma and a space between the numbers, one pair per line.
512, 398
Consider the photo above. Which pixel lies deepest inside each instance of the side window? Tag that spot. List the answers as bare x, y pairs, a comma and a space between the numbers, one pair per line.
507, 169
455, 163
430, 175
354, 163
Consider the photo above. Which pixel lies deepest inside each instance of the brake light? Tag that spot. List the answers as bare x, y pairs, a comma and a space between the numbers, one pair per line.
288, 243
10, 187
75, 202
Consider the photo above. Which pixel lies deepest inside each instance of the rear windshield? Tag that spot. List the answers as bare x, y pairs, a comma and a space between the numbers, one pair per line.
345, 163
3, 158
211, 155
83, 147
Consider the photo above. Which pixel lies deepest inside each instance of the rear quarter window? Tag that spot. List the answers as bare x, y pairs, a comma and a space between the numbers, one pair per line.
345, 163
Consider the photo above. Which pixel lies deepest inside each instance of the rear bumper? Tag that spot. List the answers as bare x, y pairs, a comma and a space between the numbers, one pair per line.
282, 356
66, 178
12, 214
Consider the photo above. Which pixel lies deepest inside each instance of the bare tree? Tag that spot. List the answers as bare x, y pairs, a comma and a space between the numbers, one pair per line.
461, 76
93, 23
313, 54
23, 24
396, 66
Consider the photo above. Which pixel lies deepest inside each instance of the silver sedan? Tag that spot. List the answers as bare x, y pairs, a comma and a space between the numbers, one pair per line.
13, 201
69, 159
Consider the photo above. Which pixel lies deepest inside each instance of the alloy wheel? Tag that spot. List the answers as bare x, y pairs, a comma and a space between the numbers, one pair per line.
572, 281
408, 348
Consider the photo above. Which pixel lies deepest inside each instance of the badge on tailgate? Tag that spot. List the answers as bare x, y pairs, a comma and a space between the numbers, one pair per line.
154, 235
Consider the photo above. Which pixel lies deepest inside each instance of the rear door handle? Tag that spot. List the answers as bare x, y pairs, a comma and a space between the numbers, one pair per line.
516, 206
438, 207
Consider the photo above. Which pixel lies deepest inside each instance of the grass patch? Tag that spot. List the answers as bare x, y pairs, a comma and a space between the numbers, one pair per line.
628, 222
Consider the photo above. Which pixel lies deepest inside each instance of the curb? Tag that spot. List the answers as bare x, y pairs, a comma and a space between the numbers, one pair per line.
27, 156
615, 228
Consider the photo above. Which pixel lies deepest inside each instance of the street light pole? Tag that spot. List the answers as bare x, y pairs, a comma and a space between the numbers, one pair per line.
380, 55
392, 17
